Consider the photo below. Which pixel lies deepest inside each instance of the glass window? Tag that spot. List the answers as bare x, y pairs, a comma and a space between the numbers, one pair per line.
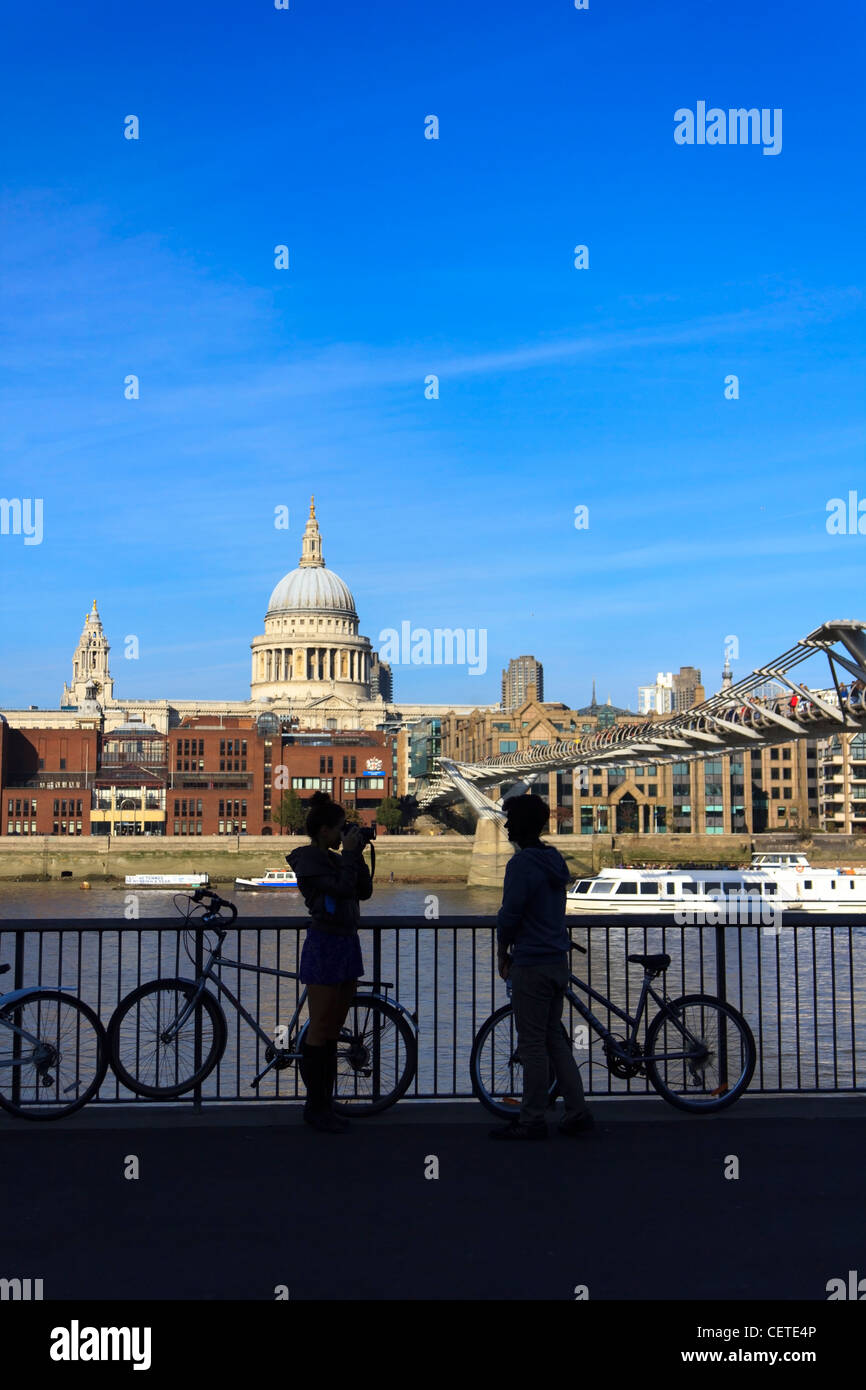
648, 889
603, 887
627, 888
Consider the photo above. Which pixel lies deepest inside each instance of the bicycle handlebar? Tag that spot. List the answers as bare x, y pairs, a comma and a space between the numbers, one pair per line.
216, 903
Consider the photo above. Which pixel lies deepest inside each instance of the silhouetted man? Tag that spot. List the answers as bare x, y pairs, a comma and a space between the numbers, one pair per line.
534, 954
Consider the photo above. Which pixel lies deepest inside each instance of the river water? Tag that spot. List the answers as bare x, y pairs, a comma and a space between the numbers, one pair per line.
802, 990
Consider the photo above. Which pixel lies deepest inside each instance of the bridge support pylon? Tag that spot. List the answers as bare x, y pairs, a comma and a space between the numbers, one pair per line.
491, 851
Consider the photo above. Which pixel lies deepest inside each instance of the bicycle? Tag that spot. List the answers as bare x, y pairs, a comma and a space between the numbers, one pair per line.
185, 1031
57, 1054
712, 1058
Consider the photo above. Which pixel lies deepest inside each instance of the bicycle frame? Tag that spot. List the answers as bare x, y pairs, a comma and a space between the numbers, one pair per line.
15, 996
631, 1038
286, 1054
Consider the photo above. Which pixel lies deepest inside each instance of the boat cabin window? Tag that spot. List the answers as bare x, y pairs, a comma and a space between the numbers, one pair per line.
649, 888
627, 888
688, 887
769, 889
602, 887
712, 888
752, 888
670, 888
583, 886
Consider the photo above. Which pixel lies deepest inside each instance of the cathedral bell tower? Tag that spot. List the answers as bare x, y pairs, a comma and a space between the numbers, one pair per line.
91, 678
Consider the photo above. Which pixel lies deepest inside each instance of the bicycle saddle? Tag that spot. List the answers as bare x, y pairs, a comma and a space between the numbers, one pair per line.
652, 962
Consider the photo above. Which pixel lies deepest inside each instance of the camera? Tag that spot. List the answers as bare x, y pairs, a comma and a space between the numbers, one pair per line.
367, 832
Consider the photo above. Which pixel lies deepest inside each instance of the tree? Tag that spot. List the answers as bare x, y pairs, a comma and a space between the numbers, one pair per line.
353, 816
290, 812
409, 809
389, 814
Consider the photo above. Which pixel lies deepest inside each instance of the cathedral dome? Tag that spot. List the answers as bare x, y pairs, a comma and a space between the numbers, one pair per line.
311, 588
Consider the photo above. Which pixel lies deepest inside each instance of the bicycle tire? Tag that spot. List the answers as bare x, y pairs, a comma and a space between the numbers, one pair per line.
354, 1058
508, 1079
133, 1079
39, 1110
715, 1101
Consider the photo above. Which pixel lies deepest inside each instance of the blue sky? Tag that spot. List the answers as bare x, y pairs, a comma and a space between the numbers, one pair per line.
408, 256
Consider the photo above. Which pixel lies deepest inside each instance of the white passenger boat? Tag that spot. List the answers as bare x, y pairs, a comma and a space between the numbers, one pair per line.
772, 882
274, 878
170, 881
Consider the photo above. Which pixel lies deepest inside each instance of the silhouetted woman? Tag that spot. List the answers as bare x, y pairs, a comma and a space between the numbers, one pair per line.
332, 886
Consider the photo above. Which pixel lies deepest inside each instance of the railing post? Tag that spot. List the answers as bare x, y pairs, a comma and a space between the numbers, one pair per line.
377, 975
199, 969
18, 979
722, 993
721, 963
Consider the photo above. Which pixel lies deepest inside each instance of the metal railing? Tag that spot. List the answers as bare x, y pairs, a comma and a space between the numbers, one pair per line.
802, 989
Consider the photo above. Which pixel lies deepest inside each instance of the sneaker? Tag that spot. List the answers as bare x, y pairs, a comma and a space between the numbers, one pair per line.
515, 1130
581, 1124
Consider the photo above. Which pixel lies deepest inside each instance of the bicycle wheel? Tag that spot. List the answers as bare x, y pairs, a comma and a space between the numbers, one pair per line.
377, 1055
495, 1067
60, 1062
721, 1050
151, 1058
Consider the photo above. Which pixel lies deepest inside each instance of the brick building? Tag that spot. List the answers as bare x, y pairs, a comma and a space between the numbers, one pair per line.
206, 776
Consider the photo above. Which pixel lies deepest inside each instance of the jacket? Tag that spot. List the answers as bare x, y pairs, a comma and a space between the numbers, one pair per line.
532, 915
332, 885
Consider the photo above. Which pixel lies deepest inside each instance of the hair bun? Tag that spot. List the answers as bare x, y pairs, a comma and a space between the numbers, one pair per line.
320, 799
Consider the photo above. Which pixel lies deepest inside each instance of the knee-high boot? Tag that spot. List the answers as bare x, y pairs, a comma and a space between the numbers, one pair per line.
314, 1069
331, 1080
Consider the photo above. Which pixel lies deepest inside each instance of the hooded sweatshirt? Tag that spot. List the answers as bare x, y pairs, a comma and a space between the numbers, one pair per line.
331, 885
532, 915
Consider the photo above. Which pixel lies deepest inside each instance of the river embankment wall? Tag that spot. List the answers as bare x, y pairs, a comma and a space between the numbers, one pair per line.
411, 858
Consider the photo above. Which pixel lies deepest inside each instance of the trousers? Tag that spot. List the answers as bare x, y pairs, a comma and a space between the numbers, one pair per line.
537, 994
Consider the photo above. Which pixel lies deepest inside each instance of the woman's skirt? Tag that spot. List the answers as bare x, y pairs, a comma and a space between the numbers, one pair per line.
327, 959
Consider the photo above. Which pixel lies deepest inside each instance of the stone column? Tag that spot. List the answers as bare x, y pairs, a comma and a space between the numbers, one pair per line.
491, 851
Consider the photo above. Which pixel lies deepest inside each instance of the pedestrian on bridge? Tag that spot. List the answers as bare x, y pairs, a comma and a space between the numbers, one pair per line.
332, 886
534, 944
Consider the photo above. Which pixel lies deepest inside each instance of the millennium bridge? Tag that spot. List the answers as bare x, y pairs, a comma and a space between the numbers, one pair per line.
734, 718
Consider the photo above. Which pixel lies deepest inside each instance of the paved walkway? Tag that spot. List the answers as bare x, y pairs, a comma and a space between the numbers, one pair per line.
235, 1201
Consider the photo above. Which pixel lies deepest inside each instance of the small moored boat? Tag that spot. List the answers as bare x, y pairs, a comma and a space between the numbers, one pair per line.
274, 878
